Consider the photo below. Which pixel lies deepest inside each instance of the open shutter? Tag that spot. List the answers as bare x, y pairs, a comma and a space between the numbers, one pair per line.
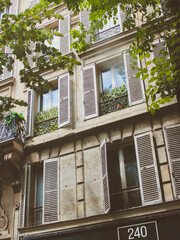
64, 28
103, 149
172, 138
64, 100
6, 73
23, 197
30, 107
14, 7
135, 85
84, 18
51, 191
90, 92
147, 166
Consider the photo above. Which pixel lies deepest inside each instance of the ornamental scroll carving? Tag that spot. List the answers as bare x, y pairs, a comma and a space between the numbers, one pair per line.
3, 216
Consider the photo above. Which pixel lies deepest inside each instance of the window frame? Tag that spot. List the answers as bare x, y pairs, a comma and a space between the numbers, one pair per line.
49, 101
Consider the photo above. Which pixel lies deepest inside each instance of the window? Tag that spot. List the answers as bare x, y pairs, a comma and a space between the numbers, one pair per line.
55, 42
123, 178
49, 100
129, 173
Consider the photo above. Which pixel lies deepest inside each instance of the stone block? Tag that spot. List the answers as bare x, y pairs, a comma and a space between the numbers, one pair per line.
102, 136
79, 158
127, 131
45, 154
80, 177
55, 151
35, 157
67, 148
78, 145
168, 193
81, 210
142, 126
115, 134
90, 142
156, 123
80, 192
159, 137
165, 173
162, 154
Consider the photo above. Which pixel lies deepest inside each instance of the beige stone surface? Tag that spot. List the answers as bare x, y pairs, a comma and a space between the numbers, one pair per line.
115, 134
81, 213
165, 173
80, 192
159, 137
45, 154
78, 145
55, 151
67, 148
168, 193
35, 157
156, 123
162, 154
80, 177
142, 126
90, 142
79, 159
103, 135
127, 131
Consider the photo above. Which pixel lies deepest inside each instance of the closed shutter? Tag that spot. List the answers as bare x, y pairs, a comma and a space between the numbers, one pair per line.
6, 73
33, 3
84, 18
51, 191
147, 166
64, 28
172, 138
90, 92
135, 85
122, 18
64, 101
23, 197
156, 50
29, 56
103, 149
30, 107
14, 7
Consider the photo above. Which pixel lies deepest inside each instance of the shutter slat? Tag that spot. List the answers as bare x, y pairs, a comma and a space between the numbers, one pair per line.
23, 197
64, 100
147, 166
172, 134
51, 190
14, 7
33, 3
84, 18
29, 56
90, 93
29, 118
105, 182
6, 73
135, 87
64, 28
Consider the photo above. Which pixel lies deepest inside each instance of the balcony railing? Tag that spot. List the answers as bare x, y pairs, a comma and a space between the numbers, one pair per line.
14, 130
114, 104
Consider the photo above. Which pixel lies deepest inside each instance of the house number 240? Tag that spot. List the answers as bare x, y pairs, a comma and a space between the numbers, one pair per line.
139, 232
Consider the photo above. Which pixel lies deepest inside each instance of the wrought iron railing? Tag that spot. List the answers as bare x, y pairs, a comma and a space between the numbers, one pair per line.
113, 105
13, 130
46, 126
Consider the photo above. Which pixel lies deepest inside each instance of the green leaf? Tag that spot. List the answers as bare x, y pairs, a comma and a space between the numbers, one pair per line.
138, 74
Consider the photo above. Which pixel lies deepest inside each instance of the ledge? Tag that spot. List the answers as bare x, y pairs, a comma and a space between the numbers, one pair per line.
7, 82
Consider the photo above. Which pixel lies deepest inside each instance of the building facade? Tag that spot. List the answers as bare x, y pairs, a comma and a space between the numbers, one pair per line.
95, 164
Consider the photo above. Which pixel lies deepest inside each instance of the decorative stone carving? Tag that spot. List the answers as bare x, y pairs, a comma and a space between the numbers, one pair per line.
3, 220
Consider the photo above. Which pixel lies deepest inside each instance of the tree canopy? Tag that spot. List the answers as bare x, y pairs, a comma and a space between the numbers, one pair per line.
156, 19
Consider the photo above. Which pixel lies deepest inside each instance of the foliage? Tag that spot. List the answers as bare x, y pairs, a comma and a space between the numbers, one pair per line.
13, 117
113, 100
46, 121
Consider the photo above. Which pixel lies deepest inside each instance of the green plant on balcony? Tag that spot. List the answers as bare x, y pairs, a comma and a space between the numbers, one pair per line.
114, 99
46, 121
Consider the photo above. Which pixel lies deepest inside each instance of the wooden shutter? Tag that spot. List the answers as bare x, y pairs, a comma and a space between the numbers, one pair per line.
135, 85
84, 18
23, 197
33, 3
29, 119
64, 100
122, 18
156, 50
64, 28
51, 190
147, 167
90, 92
29, 56
14, 7
6, 73
172, 137
105, 181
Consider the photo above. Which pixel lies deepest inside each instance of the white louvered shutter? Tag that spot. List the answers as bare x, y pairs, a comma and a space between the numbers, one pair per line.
14, 7
29, 118
23, 197
172, 134
122, 18
84, 18
135, 85
147, 167
105, 181
64, 28
29, 56
156, 50
90, 92
51, 191
33, 3
64, 100
6, 73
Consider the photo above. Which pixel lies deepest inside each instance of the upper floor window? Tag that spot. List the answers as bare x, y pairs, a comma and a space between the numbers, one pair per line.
49, 100
55, 42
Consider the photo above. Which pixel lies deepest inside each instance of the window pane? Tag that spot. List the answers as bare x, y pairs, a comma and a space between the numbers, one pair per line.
54, 98
45, 101
120, 75
131, 170
106, 80
39, 188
